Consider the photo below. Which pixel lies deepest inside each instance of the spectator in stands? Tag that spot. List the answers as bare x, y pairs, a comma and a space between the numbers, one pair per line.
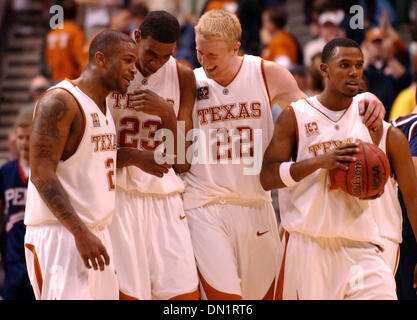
280, 45
13, 185
300, 75
38, 85
64, 46
96, 14
329, 22
139, 10
405, 102
120, 20
314, 81
387, 76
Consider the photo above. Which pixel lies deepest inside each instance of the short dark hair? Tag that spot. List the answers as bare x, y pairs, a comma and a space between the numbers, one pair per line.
106, 40
161, 26
338, 42
277, 16
139, 9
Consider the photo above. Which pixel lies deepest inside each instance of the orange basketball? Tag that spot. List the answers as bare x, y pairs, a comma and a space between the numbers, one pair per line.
366, 176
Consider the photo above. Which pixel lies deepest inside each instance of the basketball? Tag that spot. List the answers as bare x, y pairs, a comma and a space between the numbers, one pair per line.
366, 177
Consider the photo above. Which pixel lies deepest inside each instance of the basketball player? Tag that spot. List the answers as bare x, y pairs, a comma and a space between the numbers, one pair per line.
408, 247
231, 218
333, 236
71, 193
152, 246
13, 186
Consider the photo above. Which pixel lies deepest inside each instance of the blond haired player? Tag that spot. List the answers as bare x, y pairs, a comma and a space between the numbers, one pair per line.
336, 241
153, 252
71, 193
231, 218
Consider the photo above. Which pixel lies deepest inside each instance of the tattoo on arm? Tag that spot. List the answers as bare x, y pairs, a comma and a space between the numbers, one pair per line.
51, 125
50, 116
57, 200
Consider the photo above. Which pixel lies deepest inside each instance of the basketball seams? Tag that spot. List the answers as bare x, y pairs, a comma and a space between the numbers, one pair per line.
382, 162
365, 166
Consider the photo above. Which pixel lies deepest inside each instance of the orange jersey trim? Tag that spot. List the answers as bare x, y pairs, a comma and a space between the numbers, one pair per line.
195, 295
280, 285
213, 294
38, 272
123, 296
266, 83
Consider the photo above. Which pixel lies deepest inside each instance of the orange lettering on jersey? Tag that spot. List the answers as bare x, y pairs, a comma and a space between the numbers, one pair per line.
228, 108
95, 140
202, 113
312, 128
243, 113
225, 112
314, 149
327, 146
128, 97
256, 109
215, 116
104, 142
116, 96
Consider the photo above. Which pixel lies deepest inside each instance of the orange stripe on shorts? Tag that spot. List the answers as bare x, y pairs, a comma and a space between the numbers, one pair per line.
37, 266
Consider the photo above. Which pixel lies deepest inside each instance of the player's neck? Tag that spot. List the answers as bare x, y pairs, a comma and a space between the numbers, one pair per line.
334, 101
230, 74
89, 83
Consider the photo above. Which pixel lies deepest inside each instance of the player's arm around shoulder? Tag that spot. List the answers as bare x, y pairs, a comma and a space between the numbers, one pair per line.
404, 171
188, 89
281, 84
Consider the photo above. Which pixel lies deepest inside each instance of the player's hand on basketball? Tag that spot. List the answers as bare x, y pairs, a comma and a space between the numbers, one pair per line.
338, 157
146, 162
149, 102
375, 196
91, 250
372, 109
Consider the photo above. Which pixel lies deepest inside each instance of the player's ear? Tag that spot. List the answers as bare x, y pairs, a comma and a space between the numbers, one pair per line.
137, 35
237, 47
100, 59
324, 70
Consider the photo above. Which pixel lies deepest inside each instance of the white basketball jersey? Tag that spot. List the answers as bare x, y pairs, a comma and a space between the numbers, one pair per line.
232, 127
88, 175
137, 129
387, 208
310, 207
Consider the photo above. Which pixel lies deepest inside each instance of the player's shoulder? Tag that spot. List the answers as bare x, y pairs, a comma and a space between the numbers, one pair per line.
200, 74
185, 72
406, 124
302, 102
9, 165
57, 95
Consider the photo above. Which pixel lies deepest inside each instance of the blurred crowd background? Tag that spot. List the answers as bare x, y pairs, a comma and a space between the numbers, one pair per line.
34, 55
